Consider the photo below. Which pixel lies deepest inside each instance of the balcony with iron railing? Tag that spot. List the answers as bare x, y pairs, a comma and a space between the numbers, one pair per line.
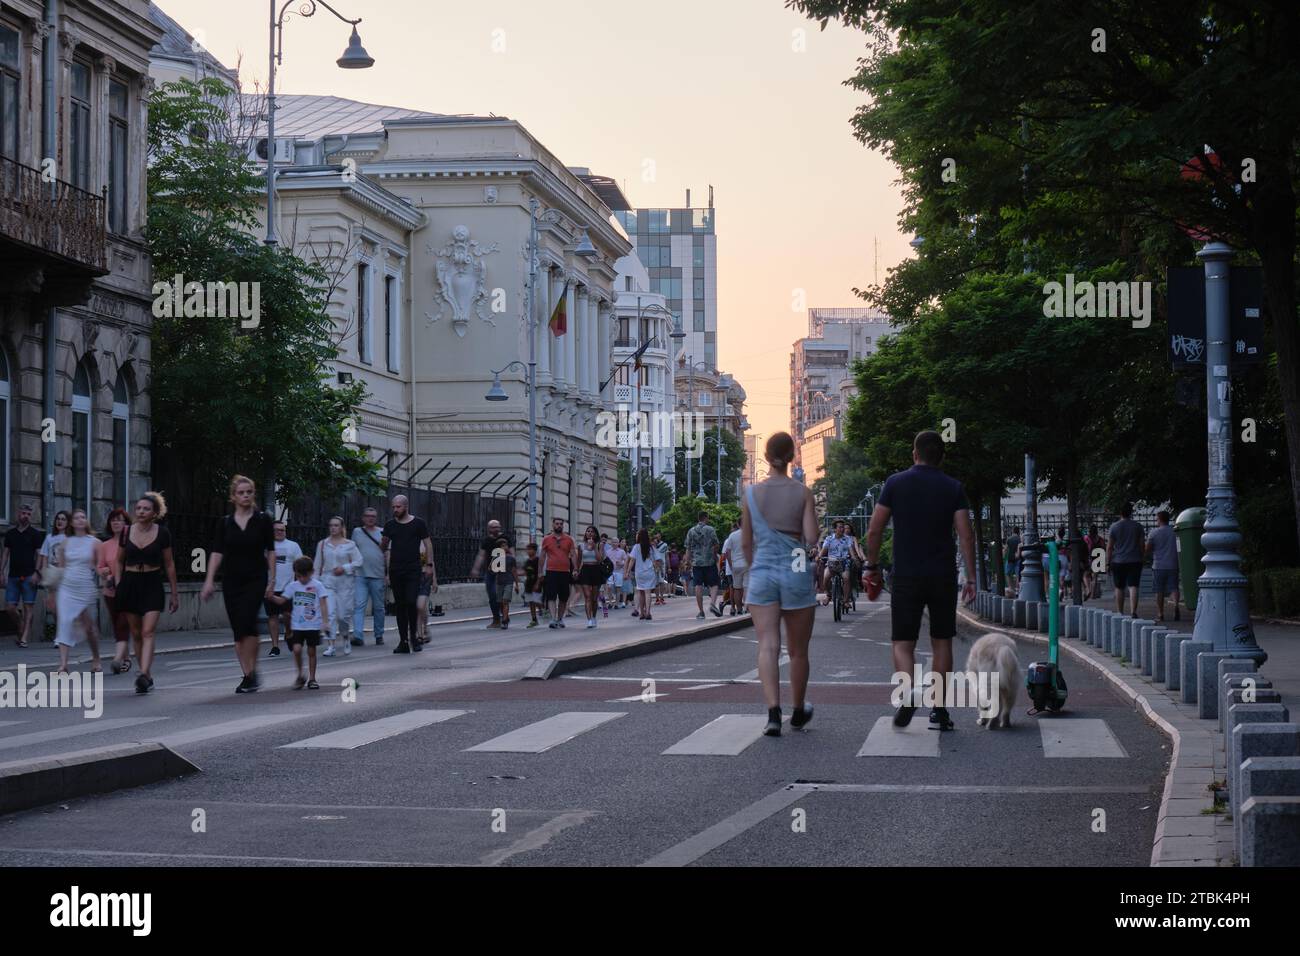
50, 229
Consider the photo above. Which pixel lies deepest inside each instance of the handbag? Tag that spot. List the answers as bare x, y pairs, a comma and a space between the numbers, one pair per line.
606, 569
51, 576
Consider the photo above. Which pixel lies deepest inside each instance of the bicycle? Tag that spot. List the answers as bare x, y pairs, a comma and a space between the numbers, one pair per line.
837, 588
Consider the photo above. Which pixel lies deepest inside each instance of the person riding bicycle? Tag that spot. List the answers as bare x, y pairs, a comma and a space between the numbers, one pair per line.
836, 548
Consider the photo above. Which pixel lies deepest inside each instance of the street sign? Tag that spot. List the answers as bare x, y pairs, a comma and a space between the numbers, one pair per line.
1187, 316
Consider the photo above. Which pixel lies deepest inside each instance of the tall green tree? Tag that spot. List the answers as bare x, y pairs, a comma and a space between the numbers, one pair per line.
231, 395
1071, 127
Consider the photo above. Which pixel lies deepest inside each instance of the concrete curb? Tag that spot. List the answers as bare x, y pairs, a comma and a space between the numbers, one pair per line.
544, 668
1184, 835
32, 783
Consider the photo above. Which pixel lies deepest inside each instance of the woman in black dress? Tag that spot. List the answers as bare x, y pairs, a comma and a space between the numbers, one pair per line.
244, 547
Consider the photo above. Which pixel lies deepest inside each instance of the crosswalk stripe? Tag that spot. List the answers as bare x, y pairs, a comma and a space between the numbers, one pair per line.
9, 723
545, 734
243, 725
358, 735
95, 726
728, 735
914, 740
1079, 737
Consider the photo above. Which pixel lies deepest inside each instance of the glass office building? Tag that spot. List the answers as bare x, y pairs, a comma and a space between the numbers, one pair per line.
679, 249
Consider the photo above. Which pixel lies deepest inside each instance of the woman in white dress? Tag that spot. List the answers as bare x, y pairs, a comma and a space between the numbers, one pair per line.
78, 592
641, 570
337, 561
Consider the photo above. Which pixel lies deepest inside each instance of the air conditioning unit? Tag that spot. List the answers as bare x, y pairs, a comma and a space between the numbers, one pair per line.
257, 150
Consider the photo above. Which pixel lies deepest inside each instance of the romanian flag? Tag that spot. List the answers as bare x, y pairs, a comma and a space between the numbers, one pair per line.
559, 321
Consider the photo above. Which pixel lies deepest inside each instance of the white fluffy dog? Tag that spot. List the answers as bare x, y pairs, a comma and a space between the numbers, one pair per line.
996, 654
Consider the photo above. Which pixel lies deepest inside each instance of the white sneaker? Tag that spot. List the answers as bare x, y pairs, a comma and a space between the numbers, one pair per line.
591, 623
347, 648
329, 652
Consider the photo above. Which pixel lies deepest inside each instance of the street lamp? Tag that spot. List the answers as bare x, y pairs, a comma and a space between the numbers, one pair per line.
723, 386
635, 358
498, 394
354, 57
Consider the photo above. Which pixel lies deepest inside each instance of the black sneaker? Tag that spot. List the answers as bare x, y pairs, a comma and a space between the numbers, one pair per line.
939, 719
142, 684
358, 642
312, 685
717, 611
553, 625
773, 728
275, 651
417, 645
300, 682
244, 687
800, 717
904, 715
402, 648
379, 642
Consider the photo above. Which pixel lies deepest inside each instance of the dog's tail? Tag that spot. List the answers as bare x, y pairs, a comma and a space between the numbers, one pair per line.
1008, 663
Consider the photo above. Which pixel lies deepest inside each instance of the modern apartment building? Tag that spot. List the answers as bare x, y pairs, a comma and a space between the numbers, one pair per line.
821, 367
679, 248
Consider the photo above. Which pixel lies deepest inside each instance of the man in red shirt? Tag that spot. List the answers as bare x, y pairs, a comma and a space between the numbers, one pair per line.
560, 559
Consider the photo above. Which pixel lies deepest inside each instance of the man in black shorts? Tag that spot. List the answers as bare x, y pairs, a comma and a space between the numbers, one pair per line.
925, 505
560, 561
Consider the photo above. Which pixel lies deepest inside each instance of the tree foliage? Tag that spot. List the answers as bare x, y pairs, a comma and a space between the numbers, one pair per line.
228, 398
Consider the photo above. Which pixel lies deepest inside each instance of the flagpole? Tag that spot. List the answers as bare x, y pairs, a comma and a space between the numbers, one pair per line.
532, 371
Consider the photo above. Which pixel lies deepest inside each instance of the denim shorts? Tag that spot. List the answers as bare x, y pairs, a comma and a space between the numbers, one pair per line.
24, 586
782, 585
1166, 580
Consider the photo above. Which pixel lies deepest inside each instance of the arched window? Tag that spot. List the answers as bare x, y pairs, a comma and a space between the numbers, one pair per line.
121, 441
81, 411
4, 436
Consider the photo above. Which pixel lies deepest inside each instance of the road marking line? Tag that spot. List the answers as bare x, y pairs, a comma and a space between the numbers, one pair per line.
1079, 737
541, 736
886, 740
358, 735
692, 848
705, 842
95, 726
636, 697
213, 856
210, 732
751, 675
538, 836
10, 723
726, 736
704, 686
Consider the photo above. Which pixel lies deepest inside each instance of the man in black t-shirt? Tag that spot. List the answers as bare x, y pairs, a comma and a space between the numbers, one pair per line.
486, 557
925, 505
403, 536
18, 566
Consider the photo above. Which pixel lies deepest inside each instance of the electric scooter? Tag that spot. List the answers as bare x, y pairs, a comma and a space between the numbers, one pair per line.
1044, 681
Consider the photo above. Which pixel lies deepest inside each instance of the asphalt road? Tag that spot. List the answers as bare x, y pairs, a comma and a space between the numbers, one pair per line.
449, 759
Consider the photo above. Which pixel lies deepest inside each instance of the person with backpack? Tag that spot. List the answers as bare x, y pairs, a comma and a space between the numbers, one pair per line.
369, 583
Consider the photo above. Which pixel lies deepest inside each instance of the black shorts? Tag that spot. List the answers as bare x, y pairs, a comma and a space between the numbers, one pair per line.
592, 575
911, 596
275, 607
1127, 575
310, 638
556, 586
140, 593
705, 577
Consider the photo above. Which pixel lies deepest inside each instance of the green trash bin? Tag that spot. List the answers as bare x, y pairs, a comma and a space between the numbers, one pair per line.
1188, 529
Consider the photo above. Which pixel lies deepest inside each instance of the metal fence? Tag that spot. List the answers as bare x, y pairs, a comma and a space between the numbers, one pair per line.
457, 523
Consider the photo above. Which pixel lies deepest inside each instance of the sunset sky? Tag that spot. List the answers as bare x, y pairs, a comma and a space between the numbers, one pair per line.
714, 92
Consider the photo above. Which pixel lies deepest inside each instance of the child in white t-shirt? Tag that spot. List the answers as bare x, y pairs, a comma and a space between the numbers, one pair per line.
307, 599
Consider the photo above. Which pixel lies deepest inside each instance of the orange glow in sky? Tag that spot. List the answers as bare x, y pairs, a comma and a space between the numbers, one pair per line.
743, 95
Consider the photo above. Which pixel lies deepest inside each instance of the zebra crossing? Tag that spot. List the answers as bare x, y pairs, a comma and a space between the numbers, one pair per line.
724, 735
